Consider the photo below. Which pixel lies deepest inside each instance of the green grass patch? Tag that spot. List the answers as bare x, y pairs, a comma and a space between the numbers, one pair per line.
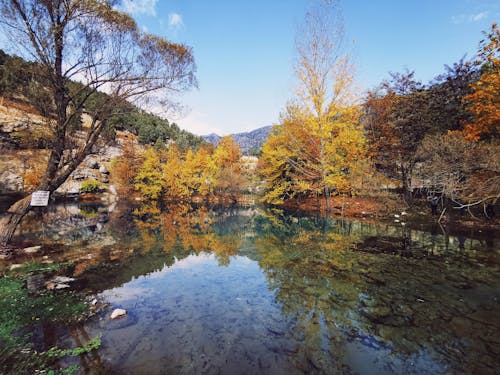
90, 186
21, 310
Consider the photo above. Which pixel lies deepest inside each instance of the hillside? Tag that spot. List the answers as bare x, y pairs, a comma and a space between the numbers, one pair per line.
249, 142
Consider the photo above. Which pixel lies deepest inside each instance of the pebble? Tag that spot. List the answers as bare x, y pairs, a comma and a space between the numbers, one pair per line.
32, 249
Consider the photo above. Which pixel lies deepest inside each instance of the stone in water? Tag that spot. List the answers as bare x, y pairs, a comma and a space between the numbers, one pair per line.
118, 313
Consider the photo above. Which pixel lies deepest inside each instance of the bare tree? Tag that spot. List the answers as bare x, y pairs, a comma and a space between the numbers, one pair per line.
461, 170
101, 48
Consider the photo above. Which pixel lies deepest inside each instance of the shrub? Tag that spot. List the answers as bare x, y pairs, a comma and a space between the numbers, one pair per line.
90, 186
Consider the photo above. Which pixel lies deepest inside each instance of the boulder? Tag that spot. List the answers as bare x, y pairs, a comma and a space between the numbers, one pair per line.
118, 313
70, 187
11, 181
84, 174
92, 163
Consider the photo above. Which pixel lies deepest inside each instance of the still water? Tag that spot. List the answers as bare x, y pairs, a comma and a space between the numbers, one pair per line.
254, 291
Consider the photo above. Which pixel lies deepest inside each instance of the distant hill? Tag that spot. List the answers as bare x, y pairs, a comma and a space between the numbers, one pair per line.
249, 142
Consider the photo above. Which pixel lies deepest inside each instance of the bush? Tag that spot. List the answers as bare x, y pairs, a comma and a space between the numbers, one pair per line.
90, 186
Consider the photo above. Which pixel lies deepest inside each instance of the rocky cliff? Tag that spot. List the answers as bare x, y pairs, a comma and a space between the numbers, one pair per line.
24, 140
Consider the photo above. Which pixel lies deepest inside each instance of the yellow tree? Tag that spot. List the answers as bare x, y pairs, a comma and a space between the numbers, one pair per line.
174, 176
320, 141
485, 97
149, 180
197, 171
226, 160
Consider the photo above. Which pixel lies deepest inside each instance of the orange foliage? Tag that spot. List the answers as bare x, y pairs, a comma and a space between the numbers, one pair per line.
32, 179
484, 101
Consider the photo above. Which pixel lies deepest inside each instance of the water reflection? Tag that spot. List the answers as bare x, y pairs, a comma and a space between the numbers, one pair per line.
262, 291
414, 293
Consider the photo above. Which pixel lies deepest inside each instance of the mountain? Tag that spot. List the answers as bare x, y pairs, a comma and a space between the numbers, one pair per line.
249, 142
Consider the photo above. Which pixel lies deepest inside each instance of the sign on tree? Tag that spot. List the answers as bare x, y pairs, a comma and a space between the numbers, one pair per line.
40, 198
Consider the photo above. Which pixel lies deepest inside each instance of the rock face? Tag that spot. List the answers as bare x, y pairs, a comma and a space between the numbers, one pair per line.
248, 141
118, 313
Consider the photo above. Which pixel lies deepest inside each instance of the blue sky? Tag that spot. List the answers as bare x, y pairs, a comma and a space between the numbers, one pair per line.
244, 49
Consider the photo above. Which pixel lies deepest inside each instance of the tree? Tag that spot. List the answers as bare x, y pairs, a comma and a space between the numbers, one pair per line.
397, 118
484, 101
446, 105
227, 176
149, 178
88, 41
319, 140
462, 170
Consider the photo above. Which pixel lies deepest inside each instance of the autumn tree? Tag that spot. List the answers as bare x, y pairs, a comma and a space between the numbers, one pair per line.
397, 117
227, 175
91, 42
484, 101
149, 178
319, 139
459, 169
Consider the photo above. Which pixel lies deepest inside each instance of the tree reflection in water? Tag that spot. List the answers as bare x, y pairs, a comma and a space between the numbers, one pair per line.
343, 296
345, 283
184, 228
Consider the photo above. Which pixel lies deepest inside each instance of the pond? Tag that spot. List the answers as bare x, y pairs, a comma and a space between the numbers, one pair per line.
250, 291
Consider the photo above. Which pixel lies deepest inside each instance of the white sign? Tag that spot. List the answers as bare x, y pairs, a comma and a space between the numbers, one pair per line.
40, 198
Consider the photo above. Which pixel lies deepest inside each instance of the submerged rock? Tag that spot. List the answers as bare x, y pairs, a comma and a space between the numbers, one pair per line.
31, 249
118, 313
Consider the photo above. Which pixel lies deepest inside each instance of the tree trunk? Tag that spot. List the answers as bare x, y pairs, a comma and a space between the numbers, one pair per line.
406, 180
326, 191
12, 218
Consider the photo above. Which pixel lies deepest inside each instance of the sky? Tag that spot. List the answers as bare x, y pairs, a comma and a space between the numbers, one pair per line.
245, 49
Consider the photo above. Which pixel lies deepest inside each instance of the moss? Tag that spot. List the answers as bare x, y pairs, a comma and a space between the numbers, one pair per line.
20, 311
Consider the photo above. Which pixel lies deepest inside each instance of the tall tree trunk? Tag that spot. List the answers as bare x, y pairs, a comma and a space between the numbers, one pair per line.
12, 218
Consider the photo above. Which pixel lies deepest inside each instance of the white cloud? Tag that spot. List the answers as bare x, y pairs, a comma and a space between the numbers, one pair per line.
175, 21
198, 123
479, 16
467, 18
136, 7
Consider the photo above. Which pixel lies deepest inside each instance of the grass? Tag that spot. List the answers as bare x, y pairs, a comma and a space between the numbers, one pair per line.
21, 311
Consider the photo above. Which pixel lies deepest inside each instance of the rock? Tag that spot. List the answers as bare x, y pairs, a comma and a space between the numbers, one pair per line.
15, 266
59, 282
377, 314
32, 249
61, 286
112, 190
11, 181
35, 283
62, 280
93, 302
103, 170
118, 313
93, 164
84, 174
70, 187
